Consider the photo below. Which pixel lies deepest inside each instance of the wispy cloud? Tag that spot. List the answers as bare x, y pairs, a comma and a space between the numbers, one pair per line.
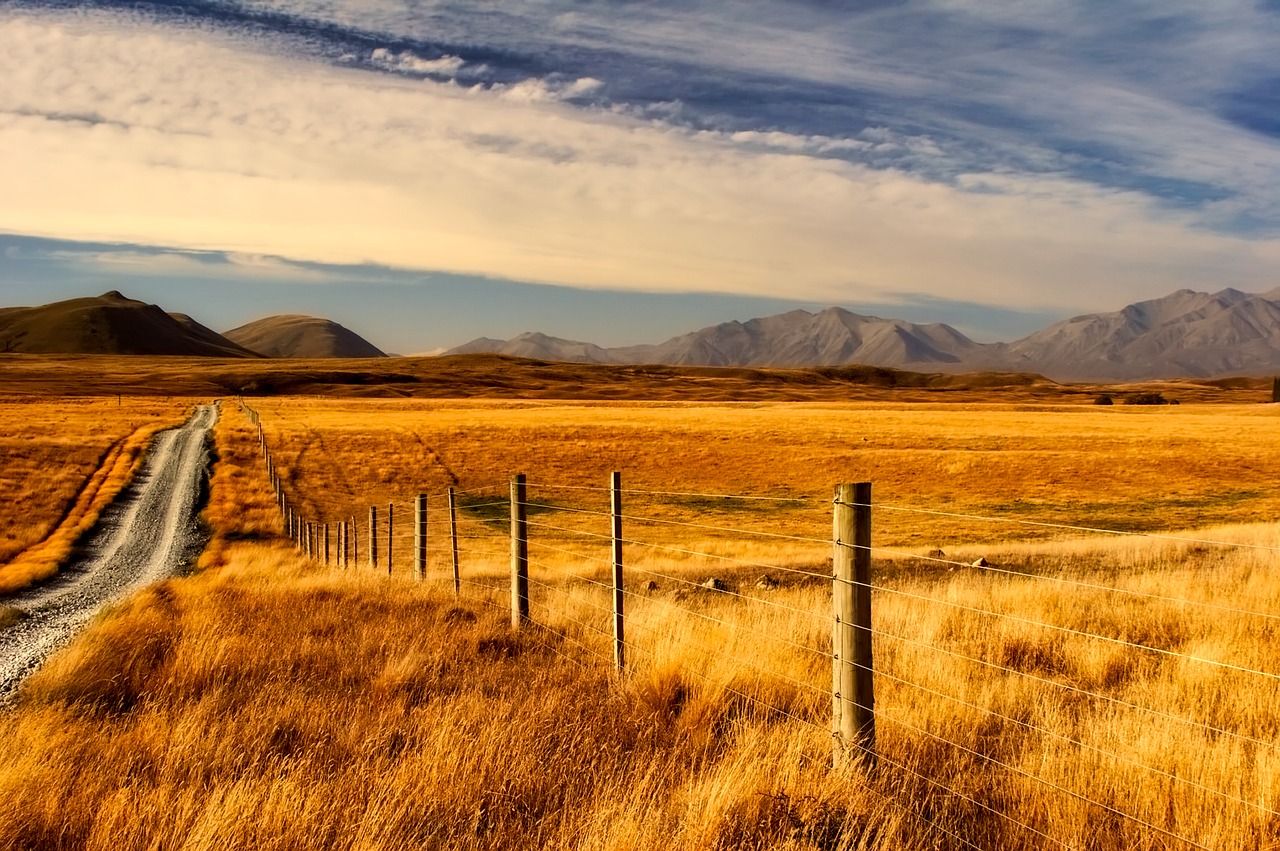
1026, 154
212, 265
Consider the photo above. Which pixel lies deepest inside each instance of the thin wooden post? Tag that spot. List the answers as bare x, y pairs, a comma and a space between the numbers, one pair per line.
373, 537
615, 510
420, 537
326, 545
519, 553
342, 544
355, 543
390, 534
853, 687
453, 543
1275, 389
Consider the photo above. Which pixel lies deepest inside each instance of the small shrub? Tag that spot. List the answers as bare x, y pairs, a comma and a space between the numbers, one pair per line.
1146, 399
1104, 399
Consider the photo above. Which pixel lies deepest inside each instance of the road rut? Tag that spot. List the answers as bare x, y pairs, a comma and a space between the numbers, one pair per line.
146, 535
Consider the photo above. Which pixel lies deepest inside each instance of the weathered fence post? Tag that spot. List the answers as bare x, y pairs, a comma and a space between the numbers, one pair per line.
326, 545
373, 537
355, 543
390, 534
519, 553
615, 510
853, 690
420, 537
453, 543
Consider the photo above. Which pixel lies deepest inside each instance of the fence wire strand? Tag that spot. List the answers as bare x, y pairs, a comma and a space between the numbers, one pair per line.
542, 633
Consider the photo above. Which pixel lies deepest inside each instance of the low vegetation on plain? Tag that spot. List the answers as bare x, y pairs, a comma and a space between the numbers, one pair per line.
270, 701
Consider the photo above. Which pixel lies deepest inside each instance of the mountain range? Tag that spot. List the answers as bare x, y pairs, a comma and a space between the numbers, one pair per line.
1183, 335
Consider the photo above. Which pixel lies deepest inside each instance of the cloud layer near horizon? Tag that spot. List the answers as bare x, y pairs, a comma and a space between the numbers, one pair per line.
118, 128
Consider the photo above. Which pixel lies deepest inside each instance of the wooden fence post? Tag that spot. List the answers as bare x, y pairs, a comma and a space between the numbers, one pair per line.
355, 543
326, 545
615, 510
373, 537
519, 553
390, 535
420, 537
853, 688
453, 543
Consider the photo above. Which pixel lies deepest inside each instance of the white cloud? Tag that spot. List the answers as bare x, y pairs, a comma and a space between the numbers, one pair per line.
181, 264
537, 90
445, 66
203, 145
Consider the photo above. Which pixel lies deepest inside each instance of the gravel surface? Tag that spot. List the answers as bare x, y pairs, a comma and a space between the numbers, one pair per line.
150, 532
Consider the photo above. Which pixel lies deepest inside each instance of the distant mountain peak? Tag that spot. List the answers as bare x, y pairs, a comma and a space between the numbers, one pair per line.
1183, 334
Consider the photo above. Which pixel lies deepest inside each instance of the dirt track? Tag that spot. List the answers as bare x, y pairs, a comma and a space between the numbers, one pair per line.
146, 535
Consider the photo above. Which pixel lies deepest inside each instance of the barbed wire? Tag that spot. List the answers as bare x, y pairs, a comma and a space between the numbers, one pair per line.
606, 489
873, 754
1065, 526
1065, 629
1200, 725
880, 672
1037, 778
883, 552
990, 568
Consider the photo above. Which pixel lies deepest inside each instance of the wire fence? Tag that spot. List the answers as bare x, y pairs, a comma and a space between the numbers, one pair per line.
1016, 693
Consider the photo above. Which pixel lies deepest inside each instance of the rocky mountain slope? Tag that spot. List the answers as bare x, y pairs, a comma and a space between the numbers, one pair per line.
1183, 335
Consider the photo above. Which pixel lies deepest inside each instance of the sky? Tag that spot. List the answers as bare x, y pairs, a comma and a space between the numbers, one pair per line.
427, 172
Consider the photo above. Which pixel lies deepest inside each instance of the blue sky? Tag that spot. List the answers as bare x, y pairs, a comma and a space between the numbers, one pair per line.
428, 172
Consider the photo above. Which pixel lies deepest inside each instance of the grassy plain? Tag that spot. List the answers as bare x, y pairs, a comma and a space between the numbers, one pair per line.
268, 702
63, 461
501, 377
1123, 468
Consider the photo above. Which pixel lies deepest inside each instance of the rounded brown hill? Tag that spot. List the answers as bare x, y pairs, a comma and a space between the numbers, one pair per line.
109, 324
294, 336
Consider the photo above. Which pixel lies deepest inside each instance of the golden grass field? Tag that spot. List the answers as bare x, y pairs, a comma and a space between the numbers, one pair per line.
269, 702
1125, 468
64, 460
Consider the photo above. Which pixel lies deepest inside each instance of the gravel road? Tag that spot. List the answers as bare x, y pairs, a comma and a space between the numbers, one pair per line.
146, 535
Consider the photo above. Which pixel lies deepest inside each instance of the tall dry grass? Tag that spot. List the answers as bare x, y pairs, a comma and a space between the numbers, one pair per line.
261, 703
269, 703
64, 461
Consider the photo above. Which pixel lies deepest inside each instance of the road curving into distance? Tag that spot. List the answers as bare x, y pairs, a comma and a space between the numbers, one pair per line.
147, 534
